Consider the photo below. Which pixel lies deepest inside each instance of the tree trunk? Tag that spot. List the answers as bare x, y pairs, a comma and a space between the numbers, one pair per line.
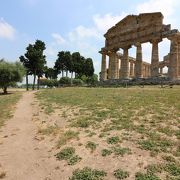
34, 81
71, 77
5, 90
38, 83
62, 73
66, 73
27, 85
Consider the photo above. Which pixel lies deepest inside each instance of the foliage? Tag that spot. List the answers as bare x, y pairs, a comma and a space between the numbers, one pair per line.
74, 159
65, 80
34, 60
68, 154
106, 152
65, 154
88, 174
141, 176
49, 82
120, 174
77, 82
10, 73
50, 73
113, 140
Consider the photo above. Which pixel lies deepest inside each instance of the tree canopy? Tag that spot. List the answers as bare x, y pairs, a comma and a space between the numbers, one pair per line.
10, 73
34, 60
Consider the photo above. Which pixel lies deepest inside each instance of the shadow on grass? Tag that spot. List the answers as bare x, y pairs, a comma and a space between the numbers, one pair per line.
3, 94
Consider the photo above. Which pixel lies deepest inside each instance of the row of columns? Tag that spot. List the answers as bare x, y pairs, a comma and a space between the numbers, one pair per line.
137, 70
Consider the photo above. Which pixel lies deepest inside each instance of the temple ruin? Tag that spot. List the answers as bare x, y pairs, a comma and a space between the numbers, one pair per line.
136, 30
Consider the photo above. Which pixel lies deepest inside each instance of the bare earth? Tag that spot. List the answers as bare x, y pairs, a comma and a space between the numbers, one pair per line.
22, 155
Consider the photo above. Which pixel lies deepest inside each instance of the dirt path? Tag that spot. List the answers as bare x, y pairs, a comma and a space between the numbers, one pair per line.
22, 156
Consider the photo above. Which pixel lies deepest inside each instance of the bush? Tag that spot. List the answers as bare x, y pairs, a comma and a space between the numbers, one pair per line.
77, 82
49, 82
65, 80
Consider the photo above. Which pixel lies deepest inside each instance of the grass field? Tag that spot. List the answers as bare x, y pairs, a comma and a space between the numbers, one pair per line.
7, 103
116, 132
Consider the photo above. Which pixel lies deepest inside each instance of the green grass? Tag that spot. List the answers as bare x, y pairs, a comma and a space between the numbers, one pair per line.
67, 136
146, 117
88, 174
49, 130
7, 103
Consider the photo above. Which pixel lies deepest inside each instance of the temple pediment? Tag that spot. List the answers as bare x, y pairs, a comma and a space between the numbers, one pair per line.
136, 28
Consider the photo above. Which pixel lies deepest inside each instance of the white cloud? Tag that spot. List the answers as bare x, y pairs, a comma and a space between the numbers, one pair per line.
58, 38
103, 23
6, 30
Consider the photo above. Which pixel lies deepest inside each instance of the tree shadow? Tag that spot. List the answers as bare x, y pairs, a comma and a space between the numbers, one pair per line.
9, 93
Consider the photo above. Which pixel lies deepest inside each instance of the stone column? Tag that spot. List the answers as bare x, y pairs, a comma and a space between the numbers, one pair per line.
113, 64
131, 69
138, 63
117, 67
155, 58
125, 63
109, 68
103, 68
173, 60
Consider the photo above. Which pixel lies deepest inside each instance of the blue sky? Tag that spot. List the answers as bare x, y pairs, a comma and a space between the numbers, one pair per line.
74, 25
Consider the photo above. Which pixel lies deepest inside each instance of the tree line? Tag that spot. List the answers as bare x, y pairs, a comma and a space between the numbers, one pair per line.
34, 62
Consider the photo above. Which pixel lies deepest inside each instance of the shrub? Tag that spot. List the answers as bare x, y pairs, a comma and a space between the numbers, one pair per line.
65, 80
77, 82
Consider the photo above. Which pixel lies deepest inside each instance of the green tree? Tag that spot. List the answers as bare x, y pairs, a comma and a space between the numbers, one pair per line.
36, 59
77, 63
50, 73
10, 73
88, 67
27, 66
59, 64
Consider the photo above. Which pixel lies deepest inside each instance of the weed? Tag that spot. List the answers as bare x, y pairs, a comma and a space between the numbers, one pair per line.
74, 159
169, 158
120, 174
173, 169
88, 174
106, 152
121, 151
91, 145
141, 176
65, 154
68, 135
113, 140
49, 130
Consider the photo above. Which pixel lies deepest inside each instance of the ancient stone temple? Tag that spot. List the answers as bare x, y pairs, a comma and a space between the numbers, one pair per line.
136, 30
